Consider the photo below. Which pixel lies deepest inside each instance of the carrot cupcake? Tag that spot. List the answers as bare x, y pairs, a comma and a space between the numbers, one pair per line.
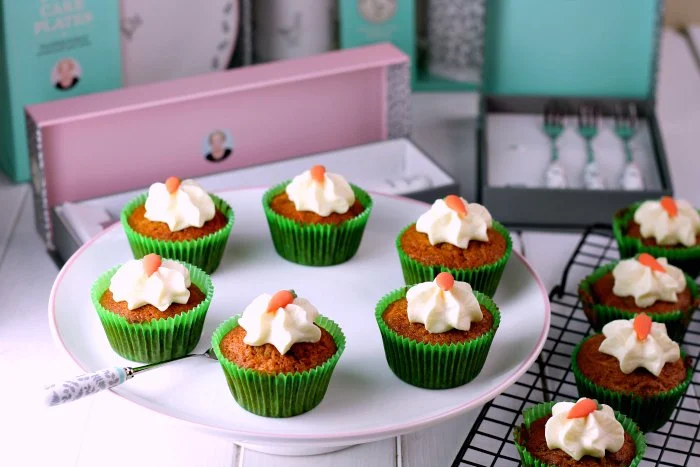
635, 367
667, 227
152, 309
457, 237
279, 355
623, 289
437, 334
318, 218
179, 220
584, 433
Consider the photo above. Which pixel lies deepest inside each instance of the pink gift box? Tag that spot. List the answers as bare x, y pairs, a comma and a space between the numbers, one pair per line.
107, 143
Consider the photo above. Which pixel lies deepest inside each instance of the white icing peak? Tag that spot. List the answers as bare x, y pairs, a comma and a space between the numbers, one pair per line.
592, 435
321, 192
167, 285
187, 206
281, 327
443, 224
441, 310
652, 353
645, 284
668, 228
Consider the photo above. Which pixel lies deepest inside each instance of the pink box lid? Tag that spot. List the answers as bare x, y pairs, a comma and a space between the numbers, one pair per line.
110, 142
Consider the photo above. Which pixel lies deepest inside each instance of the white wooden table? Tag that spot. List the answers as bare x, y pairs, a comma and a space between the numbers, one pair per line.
104, 430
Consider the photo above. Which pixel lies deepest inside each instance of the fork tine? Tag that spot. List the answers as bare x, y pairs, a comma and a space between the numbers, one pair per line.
634, 120
596, 115
618, 114
551, 112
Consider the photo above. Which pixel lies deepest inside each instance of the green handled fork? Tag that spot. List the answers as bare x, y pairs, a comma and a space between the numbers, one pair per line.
588, 119
626, 125
555, 177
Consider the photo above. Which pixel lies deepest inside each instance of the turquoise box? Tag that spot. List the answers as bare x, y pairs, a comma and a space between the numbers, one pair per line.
571, 55
51, 49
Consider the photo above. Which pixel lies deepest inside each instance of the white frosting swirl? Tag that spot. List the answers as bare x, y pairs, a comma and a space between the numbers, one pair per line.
444, 225
591, 435
281, 328
188, 206
167, 285
333, 195
655, 222
633, 279
441, 310
652, 353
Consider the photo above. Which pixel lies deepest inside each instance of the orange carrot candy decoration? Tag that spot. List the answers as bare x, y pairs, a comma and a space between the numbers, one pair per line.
642, 326
172, 184
455, 203
669, 205
318, 173
151, 263
280, 300
649, 261
582, 408
445, 281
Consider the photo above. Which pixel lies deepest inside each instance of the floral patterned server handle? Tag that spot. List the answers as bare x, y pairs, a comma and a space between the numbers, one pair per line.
92, 383
85, 385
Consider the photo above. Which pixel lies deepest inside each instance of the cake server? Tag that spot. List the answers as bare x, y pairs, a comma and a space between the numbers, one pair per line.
92, 383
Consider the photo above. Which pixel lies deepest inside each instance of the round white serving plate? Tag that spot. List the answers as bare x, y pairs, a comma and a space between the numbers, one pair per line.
365, 401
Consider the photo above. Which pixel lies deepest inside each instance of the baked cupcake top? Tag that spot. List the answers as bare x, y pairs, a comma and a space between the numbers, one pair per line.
179, 204
455, 221
584, 429
669, 221
443, 304
151, 281
282, 320
639, 343
648, 280
320, 192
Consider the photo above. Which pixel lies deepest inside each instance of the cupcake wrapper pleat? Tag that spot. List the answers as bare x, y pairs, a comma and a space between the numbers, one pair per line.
688, 259
205, 252
316, 244
650, 413
485, 278
598, 315
159, 339
282, 395
435, 366
545, 409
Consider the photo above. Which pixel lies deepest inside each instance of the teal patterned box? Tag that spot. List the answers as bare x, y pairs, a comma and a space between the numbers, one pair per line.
443, 38
365, 22
51, 49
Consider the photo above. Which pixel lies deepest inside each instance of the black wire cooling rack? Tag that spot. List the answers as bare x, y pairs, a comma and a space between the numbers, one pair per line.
490, 441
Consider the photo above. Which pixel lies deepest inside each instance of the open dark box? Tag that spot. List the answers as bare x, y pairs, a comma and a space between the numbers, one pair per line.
595, 53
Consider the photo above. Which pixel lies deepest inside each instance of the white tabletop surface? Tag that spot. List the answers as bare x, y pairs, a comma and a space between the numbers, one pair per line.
104, 430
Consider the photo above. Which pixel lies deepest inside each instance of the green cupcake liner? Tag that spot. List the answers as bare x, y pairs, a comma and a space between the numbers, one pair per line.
688, 259
281, 395
159, 339
205, 252
650, 413
545, 409
316, 244
435, 366
485, 278
598, 315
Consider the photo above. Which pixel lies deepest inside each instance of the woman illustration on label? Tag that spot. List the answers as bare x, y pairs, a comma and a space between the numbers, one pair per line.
217, 147
66, 75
